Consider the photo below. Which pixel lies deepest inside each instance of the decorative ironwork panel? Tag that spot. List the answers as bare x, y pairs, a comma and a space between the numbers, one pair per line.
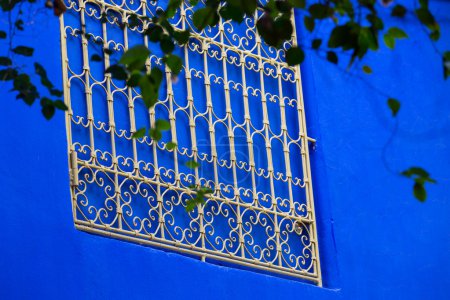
236, 109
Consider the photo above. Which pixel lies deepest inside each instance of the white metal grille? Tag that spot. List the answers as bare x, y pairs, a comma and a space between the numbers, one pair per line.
236, 109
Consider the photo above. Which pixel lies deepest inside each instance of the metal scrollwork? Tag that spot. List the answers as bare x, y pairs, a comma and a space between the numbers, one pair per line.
236, 108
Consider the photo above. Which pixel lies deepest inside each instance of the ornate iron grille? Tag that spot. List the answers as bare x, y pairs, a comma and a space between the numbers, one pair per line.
236, 109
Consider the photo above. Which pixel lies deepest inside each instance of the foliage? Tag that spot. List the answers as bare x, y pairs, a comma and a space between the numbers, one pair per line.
22, 82
200, 194
420, 177
358, 28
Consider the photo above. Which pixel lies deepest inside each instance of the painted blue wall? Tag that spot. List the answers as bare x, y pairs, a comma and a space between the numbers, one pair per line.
376, 241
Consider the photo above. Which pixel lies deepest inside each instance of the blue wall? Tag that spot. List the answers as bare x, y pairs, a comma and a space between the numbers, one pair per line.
376, 240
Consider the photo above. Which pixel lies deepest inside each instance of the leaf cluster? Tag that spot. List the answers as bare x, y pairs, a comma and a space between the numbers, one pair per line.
201, 193
420, 177
22, 83
357, 30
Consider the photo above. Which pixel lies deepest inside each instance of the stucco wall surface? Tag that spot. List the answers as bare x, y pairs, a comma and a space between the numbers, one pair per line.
376, 240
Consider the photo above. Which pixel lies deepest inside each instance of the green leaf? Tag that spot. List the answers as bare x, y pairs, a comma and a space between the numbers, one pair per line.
133, 21
174, 62
149, 92
430, 180
375, 21
398, 11
19, 24
418, 171
446, 55
96, 57
5, 61
332, 57
297, 3
155, 77
56, 92
182, 37
166, 44
204, 17
339, 36
246, 7
367, 69
435, 35
9, 5
172, 8
162, 125
419, 191
135, 57
320, 11
426, 18
149, 85
104, 17
192, 203
367, 40
228, 12
140, 133
423, 3
420, 177
274, 31
171, 145
294, 56
26, 90
2, 34
394, 105
309, 23
39, 70
23, 50
397, 33
169, 28
155, 33
8, 74
22, 82
117, 72
48, 109
389, 41
59, 104
192, 164
108, 51
134, 78
155, 134
392, 34
316, 43
204, 190
199, 199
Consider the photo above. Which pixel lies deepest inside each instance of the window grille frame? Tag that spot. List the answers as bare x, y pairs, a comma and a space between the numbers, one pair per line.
312, 274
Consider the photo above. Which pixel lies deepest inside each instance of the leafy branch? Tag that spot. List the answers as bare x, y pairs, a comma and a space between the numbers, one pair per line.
357, 30
21, 81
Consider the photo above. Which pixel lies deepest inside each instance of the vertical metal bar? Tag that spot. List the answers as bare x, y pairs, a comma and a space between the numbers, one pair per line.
231, 138
209, 105
193, 135
287, 160
112, 124
73, 164
306, 163
87, 87
268, 146
247, 117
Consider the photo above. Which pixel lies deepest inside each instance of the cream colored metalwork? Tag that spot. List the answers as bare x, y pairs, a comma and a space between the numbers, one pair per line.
249, 136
